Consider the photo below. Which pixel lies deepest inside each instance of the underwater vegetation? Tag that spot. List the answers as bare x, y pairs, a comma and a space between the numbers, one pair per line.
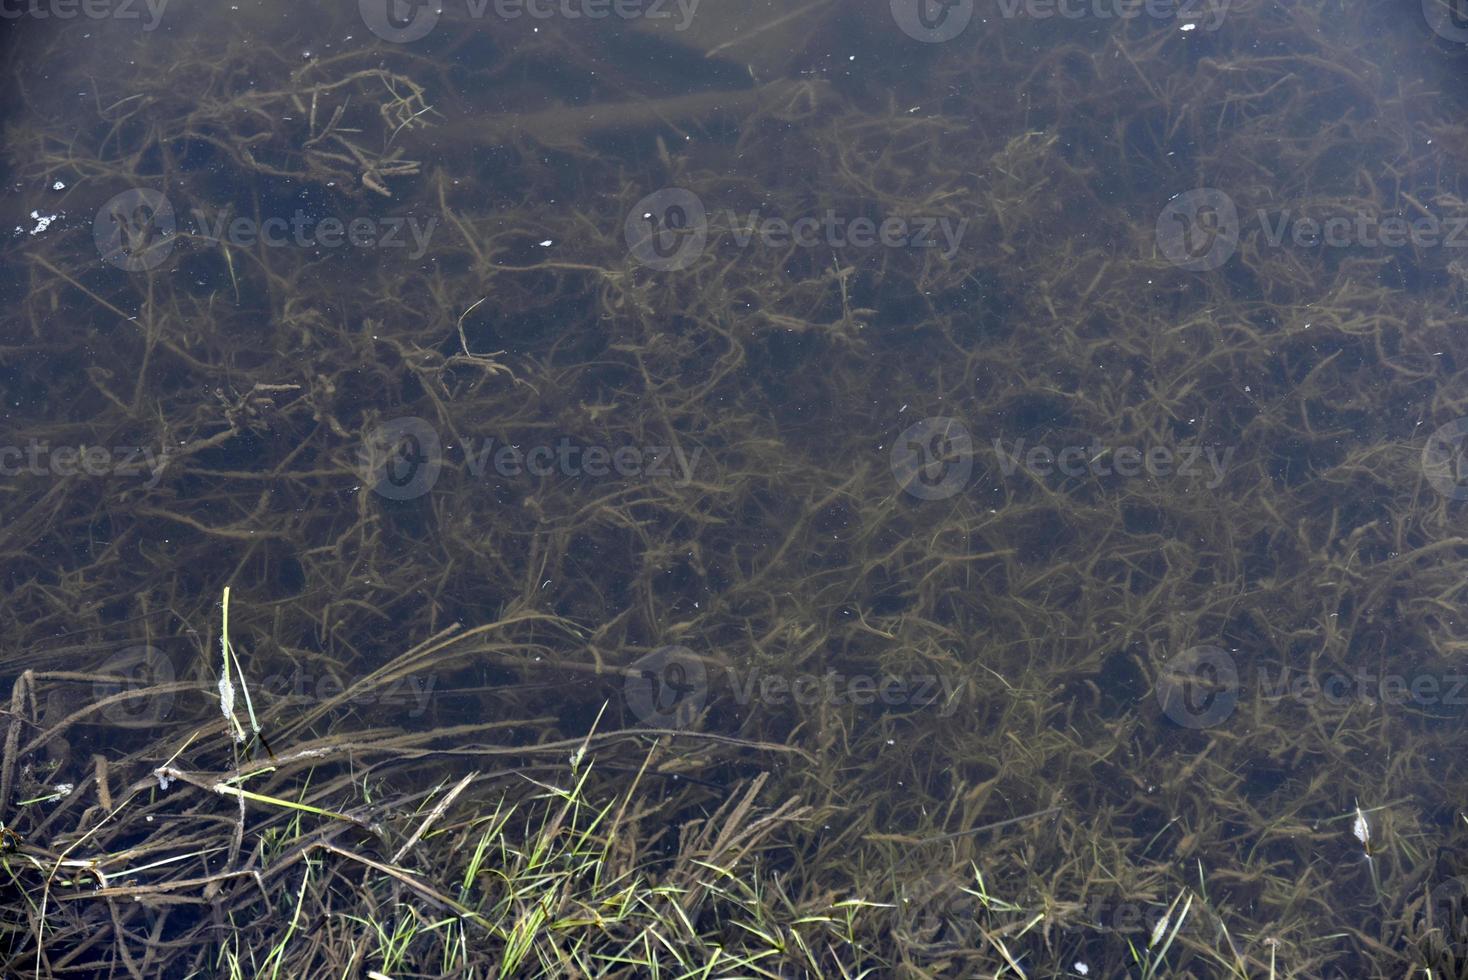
781, 497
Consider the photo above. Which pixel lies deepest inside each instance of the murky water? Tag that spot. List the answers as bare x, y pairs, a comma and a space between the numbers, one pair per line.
931, 489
